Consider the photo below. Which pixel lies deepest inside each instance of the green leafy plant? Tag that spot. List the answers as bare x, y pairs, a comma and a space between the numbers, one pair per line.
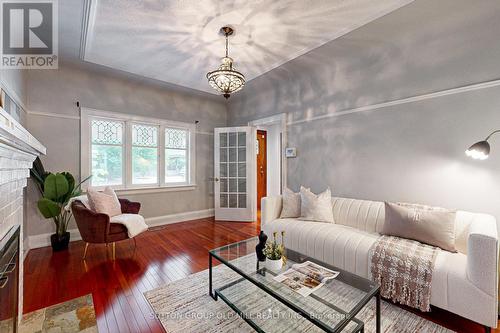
274, 250
56, 190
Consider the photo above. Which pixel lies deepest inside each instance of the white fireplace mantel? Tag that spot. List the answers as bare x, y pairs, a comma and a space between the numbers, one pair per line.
18, 150
14, 134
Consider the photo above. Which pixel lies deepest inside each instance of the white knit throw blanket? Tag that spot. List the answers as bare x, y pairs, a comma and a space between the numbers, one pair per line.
403, 268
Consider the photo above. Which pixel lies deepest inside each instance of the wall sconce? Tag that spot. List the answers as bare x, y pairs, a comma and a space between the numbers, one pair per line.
480, 150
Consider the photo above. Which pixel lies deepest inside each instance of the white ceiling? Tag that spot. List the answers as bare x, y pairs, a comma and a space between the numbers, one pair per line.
177, 41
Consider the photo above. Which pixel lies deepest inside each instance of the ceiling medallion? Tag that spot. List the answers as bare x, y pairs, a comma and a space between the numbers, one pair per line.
226, 79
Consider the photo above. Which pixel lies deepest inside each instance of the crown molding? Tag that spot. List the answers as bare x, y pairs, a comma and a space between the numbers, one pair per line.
412, 99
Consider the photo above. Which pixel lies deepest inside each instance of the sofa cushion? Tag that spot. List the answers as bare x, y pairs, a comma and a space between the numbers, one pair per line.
433, 226
334, 244
316, 207
291, 204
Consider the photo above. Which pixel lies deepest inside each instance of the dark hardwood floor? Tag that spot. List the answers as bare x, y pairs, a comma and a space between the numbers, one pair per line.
163, 254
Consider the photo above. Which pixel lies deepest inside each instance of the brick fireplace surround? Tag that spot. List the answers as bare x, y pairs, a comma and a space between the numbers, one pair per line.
18, 150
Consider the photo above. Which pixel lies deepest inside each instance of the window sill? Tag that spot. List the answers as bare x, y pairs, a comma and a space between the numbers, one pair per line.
146, 190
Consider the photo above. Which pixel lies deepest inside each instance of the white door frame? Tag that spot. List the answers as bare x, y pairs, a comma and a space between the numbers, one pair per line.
249, 213
277, 119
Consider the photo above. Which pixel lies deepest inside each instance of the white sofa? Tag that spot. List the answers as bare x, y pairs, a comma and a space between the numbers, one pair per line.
464, 283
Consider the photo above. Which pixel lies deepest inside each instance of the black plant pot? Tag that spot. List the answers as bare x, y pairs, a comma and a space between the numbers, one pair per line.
59, 243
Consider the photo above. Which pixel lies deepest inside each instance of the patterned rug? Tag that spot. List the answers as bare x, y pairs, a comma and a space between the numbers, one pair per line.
185, 306
76, 315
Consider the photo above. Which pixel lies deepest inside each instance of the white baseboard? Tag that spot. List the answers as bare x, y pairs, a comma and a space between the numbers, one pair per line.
43, 240
180, 217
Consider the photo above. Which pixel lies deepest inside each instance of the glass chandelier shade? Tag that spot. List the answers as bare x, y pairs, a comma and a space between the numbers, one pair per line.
226, 79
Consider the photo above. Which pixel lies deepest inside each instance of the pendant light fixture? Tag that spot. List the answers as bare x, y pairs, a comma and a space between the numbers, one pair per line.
226, 79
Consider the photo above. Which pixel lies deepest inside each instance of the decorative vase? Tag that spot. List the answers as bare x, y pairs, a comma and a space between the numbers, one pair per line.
59, 243
274, 265
259, 248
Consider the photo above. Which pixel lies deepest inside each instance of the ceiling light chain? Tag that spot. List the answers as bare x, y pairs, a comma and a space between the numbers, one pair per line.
227, 45
225, 79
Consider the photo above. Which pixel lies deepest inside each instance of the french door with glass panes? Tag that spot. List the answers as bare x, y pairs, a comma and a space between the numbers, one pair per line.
235, 174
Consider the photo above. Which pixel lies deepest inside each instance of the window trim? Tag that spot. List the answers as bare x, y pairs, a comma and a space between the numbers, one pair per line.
86, 116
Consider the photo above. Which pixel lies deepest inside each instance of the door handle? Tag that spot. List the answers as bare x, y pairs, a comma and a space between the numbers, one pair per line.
214, 179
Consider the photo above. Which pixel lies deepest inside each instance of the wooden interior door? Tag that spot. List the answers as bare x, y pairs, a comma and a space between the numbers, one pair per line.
261, 166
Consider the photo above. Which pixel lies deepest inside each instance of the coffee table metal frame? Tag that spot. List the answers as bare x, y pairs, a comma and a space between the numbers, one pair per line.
349, 316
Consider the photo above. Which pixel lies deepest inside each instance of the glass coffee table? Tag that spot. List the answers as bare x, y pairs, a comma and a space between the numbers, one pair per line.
270, 306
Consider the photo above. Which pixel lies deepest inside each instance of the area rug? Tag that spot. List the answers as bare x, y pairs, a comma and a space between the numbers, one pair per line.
76, 315
185, 306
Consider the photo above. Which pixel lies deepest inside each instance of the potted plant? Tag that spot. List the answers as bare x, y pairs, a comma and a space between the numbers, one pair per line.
56, 190
275, 253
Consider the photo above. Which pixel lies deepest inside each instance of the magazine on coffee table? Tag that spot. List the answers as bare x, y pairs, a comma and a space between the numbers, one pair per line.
306, 278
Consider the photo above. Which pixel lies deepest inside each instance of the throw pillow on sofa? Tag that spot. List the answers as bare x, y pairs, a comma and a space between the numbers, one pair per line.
105, 202
291, 204
316, 207
433, 226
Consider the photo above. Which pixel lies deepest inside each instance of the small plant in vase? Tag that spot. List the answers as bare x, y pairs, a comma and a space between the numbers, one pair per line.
275, 253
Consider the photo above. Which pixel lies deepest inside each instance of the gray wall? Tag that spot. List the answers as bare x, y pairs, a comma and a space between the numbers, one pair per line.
410, 152
56, 92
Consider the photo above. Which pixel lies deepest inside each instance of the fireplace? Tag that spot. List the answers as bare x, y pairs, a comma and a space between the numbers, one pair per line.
9, 280
18, 150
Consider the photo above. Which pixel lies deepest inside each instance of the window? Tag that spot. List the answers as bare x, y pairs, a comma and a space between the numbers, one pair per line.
130, 152
176, 155
107, 152
144, 154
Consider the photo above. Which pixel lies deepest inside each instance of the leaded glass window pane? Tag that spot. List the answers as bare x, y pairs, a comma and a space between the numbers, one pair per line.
144, 135
175, 138
107, 132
